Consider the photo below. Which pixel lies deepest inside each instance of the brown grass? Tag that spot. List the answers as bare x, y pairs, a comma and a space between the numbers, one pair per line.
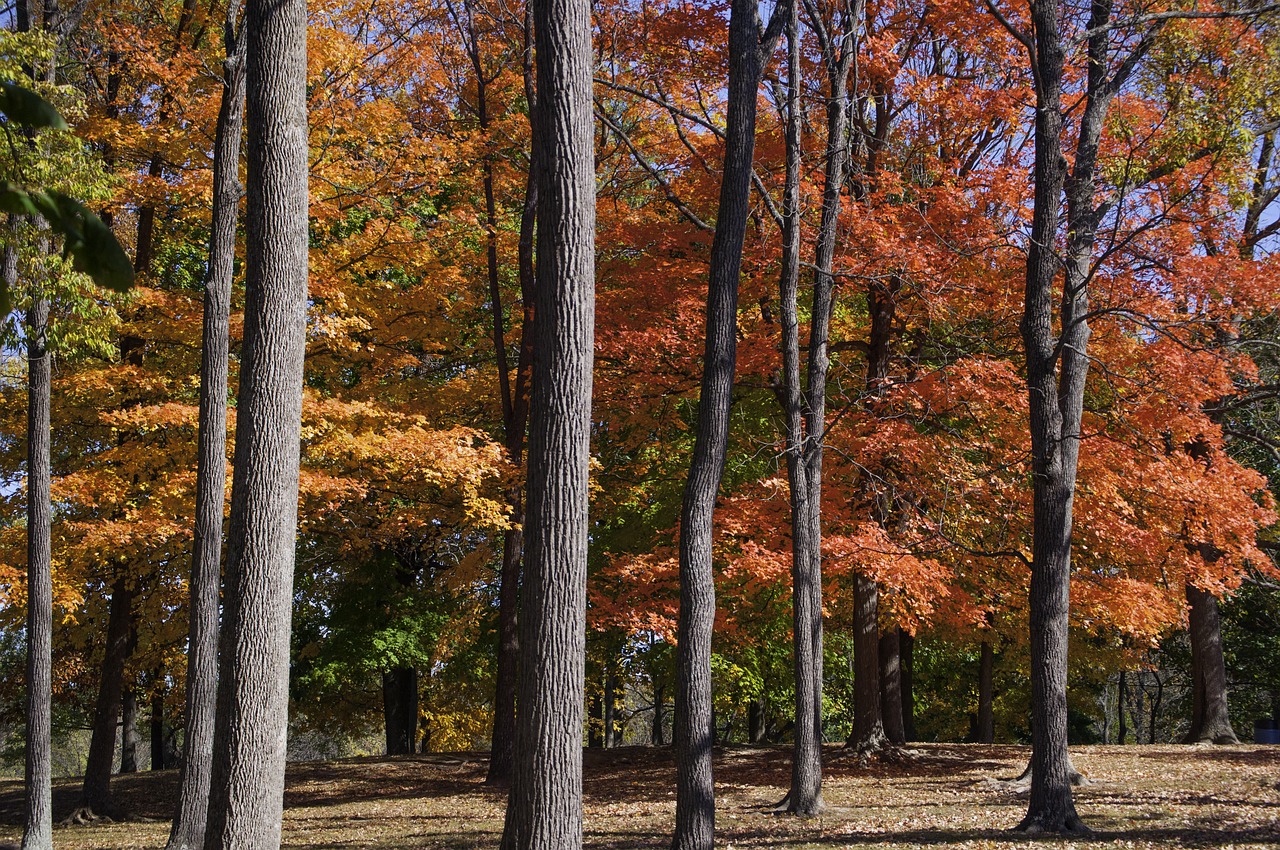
931, 795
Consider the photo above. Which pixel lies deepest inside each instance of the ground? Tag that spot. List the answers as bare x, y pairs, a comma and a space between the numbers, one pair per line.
931, 795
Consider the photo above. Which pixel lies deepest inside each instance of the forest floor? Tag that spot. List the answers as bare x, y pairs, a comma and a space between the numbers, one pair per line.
929, 795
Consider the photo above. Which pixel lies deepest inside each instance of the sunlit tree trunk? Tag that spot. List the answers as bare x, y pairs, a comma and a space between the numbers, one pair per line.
251, 729
544, 808
188, 831
695, 790
1210, 717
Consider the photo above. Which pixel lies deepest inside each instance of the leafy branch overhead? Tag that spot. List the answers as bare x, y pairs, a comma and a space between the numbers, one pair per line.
87, 240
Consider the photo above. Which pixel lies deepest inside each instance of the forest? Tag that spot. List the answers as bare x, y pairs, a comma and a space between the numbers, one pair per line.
831, 395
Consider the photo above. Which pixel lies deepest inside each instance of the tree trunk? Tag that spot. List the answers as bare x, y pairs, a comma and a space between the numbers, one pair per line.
891, 687
595, 723
906, 651
130, 738
188, 831
400, 710
157, 738
757, 719
868, 725
251, 730
96, 791
695, 791
805, 794
611, 736
657, 736
544, 808
516, 415
1210, 720
37, 831
986, 697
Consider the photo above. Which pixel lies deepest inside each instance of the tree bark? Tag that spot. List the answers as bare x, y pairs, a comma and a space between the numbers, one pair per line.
891, 687
188, 831
694, 738
1122, 731
37, 831
805, 794
400, 710
95, 795
657, 735
157, 738
868, 724
130, 738
986, 697
251, 728
1210, 717
515, 421
544, 808
906, 651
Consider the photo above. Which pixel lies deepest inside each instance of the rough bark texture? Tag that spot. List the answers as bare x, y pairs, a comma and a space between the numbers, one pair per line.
1054, 425
1210, 719
985, 733
400, 710
38, 825
544, 808
906, 653
891, 687
95, 795
130, 738
515, 421
868, 724
805, 794
188, 831
252, 714
694, 734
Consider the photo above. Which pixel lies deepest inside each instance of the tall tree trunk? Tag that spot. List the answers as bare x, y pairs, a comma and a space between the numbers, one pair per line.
544, 808
986, 696
695, 790
906, 661
891, 687
188, 831
611, 736
657, 736
757, 719
1210, 720
130, 738
251, 729
38, 825
400, 710
95, 796
157, 737
515, 419
1121, 707
868, 724
805, 794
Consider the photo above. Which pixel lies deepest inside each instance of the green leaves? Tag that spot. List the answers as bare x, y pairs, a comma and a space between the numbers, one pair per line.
87, 240
25, 108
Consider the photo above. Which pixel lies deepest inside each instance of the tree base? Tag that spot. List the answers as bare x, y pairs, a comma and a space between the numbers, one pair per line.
809, 809
1069, 824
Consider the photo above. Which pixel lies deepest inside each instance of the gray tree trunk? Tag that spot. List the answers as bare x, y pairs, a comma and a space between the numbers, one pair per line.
515, 421
868, 724
805, 794
749, 48
891, 687
906, 652
544, 808
251, 727
95, 796
1210, 717
38, 825
130, 737
188, 831
986, 698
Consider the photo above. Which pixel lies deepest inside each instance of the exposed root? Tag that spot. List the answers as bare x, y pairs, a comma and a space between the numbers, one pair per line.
1069, 825
85, 816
